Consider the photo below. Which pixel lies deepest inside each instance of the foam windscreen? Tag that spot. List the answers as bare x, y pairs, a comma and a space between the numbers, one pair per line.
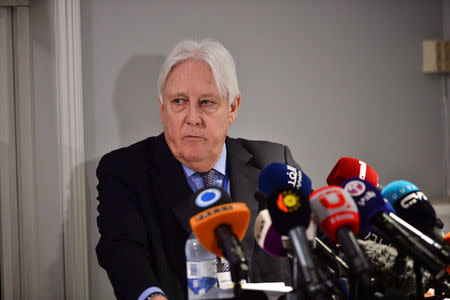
334, 208
398, 189
288, 208
275, 175
266, 236
204, 224
411, 205
367, 198
347, 167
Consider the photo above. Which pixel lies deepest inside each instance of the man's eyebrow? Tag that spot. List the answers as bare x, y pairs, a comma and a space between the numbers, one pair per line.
177, 95
209, 95
181, 94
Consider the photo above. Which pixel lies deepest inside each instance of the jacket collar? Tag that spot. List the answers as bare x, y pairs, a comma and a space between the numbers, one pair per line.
173, 187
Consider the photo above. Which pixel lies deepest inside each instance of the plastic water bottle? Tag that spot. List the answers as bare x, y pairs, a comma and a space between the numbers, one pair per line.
201, 268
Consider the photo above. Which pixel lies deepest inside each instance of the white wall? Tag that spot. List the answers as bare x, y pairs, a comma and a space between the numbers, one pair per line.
443, 209
446, 35
48, 202
328, 78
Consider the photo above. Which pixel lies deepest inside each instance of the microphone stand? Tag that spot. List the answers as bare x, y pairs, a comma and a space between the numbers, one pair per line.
293, 263
311, 283
400, 268
418, 270
354, 289
330, 280
438, 288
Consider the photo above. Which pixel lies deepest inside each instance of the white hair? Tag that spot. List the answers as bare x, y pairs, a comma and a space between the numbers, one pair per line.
214, 54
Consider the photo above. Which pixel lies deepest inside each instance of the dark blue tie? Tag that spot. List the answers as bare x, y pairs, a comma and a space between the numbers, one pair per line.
208, 178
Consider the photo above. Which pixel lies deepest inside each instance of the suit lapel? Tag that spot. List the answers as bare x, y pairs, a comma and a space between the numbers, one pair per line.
243, 184
172, 187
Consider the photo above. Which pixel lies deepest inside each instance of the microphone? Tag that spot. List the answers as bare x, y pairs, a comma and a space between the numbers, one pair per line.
447, 238
290, 213
277, 245
288, 190
266, 236
347, 167
372, 212
412, 205
339, 219
275, 175
280, 177
284, 174
387, 272
220, 228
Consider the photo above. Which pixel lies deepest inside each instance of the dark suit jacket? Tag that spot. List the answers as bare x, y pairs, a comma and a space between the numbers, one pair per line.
144, 214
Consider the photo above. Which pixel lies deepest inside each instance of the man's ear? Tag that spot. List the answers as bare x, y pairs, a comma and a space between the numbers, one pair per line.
234, 107
161, 109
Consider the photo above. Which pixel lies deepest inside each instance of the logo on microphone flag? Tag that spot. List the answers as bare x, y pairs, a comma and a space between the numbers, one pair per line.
208, 197
355, 188
288, 201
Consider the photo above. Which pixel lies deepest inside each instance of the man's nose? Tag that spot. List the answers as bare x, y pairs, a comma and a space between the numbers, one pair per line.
193, 114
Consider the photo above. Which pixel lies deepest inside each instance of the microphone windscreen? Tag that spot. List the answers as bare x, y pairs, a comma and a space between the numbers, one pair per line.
382, 261
334, 208
439, 224
348, 167
411, 205
385, 269
398, 189
420, 214
367, 198
447, 238
288, 208
266, 236
275, 175
204, 224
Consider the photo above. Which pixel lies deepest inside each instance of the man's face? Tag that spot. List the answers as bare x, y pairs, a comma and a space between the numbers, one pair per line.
195, 117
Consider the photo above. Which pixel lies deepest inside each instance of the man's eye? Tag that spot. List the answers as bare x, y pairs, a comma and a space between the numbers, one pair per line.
177, 101
206, 102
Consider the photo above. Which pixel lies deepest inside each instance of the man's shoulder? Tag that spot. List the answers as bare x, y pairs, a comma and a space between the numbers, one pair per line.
262, 152
132, 157
255, 146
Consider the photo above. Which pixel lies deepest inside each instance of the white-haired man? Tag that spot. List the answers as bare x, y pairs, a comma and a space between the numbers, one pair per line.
143, 189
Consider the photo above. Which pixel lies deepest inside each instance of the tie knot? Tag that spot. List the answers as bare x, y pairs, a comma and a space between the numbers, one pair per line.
208, 177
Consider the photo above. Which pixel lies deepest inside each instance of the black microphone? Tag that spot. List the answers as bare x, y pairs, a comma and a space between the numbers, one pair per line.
290, 213
372, 211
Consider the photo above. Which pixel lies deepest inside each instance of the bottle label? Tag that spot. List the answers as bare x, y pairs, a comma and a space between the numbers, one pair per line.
201, 276
224, 279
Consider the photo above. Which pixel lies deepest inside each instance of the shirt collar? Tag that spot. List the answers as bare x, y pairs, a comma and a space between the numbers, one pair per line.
219, 166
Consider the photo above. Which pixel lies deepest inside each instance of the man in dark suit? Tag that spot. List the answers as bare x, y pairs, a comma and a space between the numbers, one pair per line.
144, 189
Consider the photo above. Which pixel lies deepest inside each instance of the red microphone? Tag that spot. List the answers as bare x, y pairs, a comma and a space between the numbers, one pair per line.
347, 167
335, 209
337, 214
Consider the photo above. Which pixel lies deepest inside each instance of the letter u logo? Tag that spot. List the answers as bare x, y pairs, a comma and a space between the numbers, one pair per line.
332, 199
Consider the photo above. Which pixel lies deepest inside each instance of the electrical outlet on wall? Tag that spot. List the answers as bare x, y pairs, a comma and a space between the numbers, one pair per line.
436, 56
